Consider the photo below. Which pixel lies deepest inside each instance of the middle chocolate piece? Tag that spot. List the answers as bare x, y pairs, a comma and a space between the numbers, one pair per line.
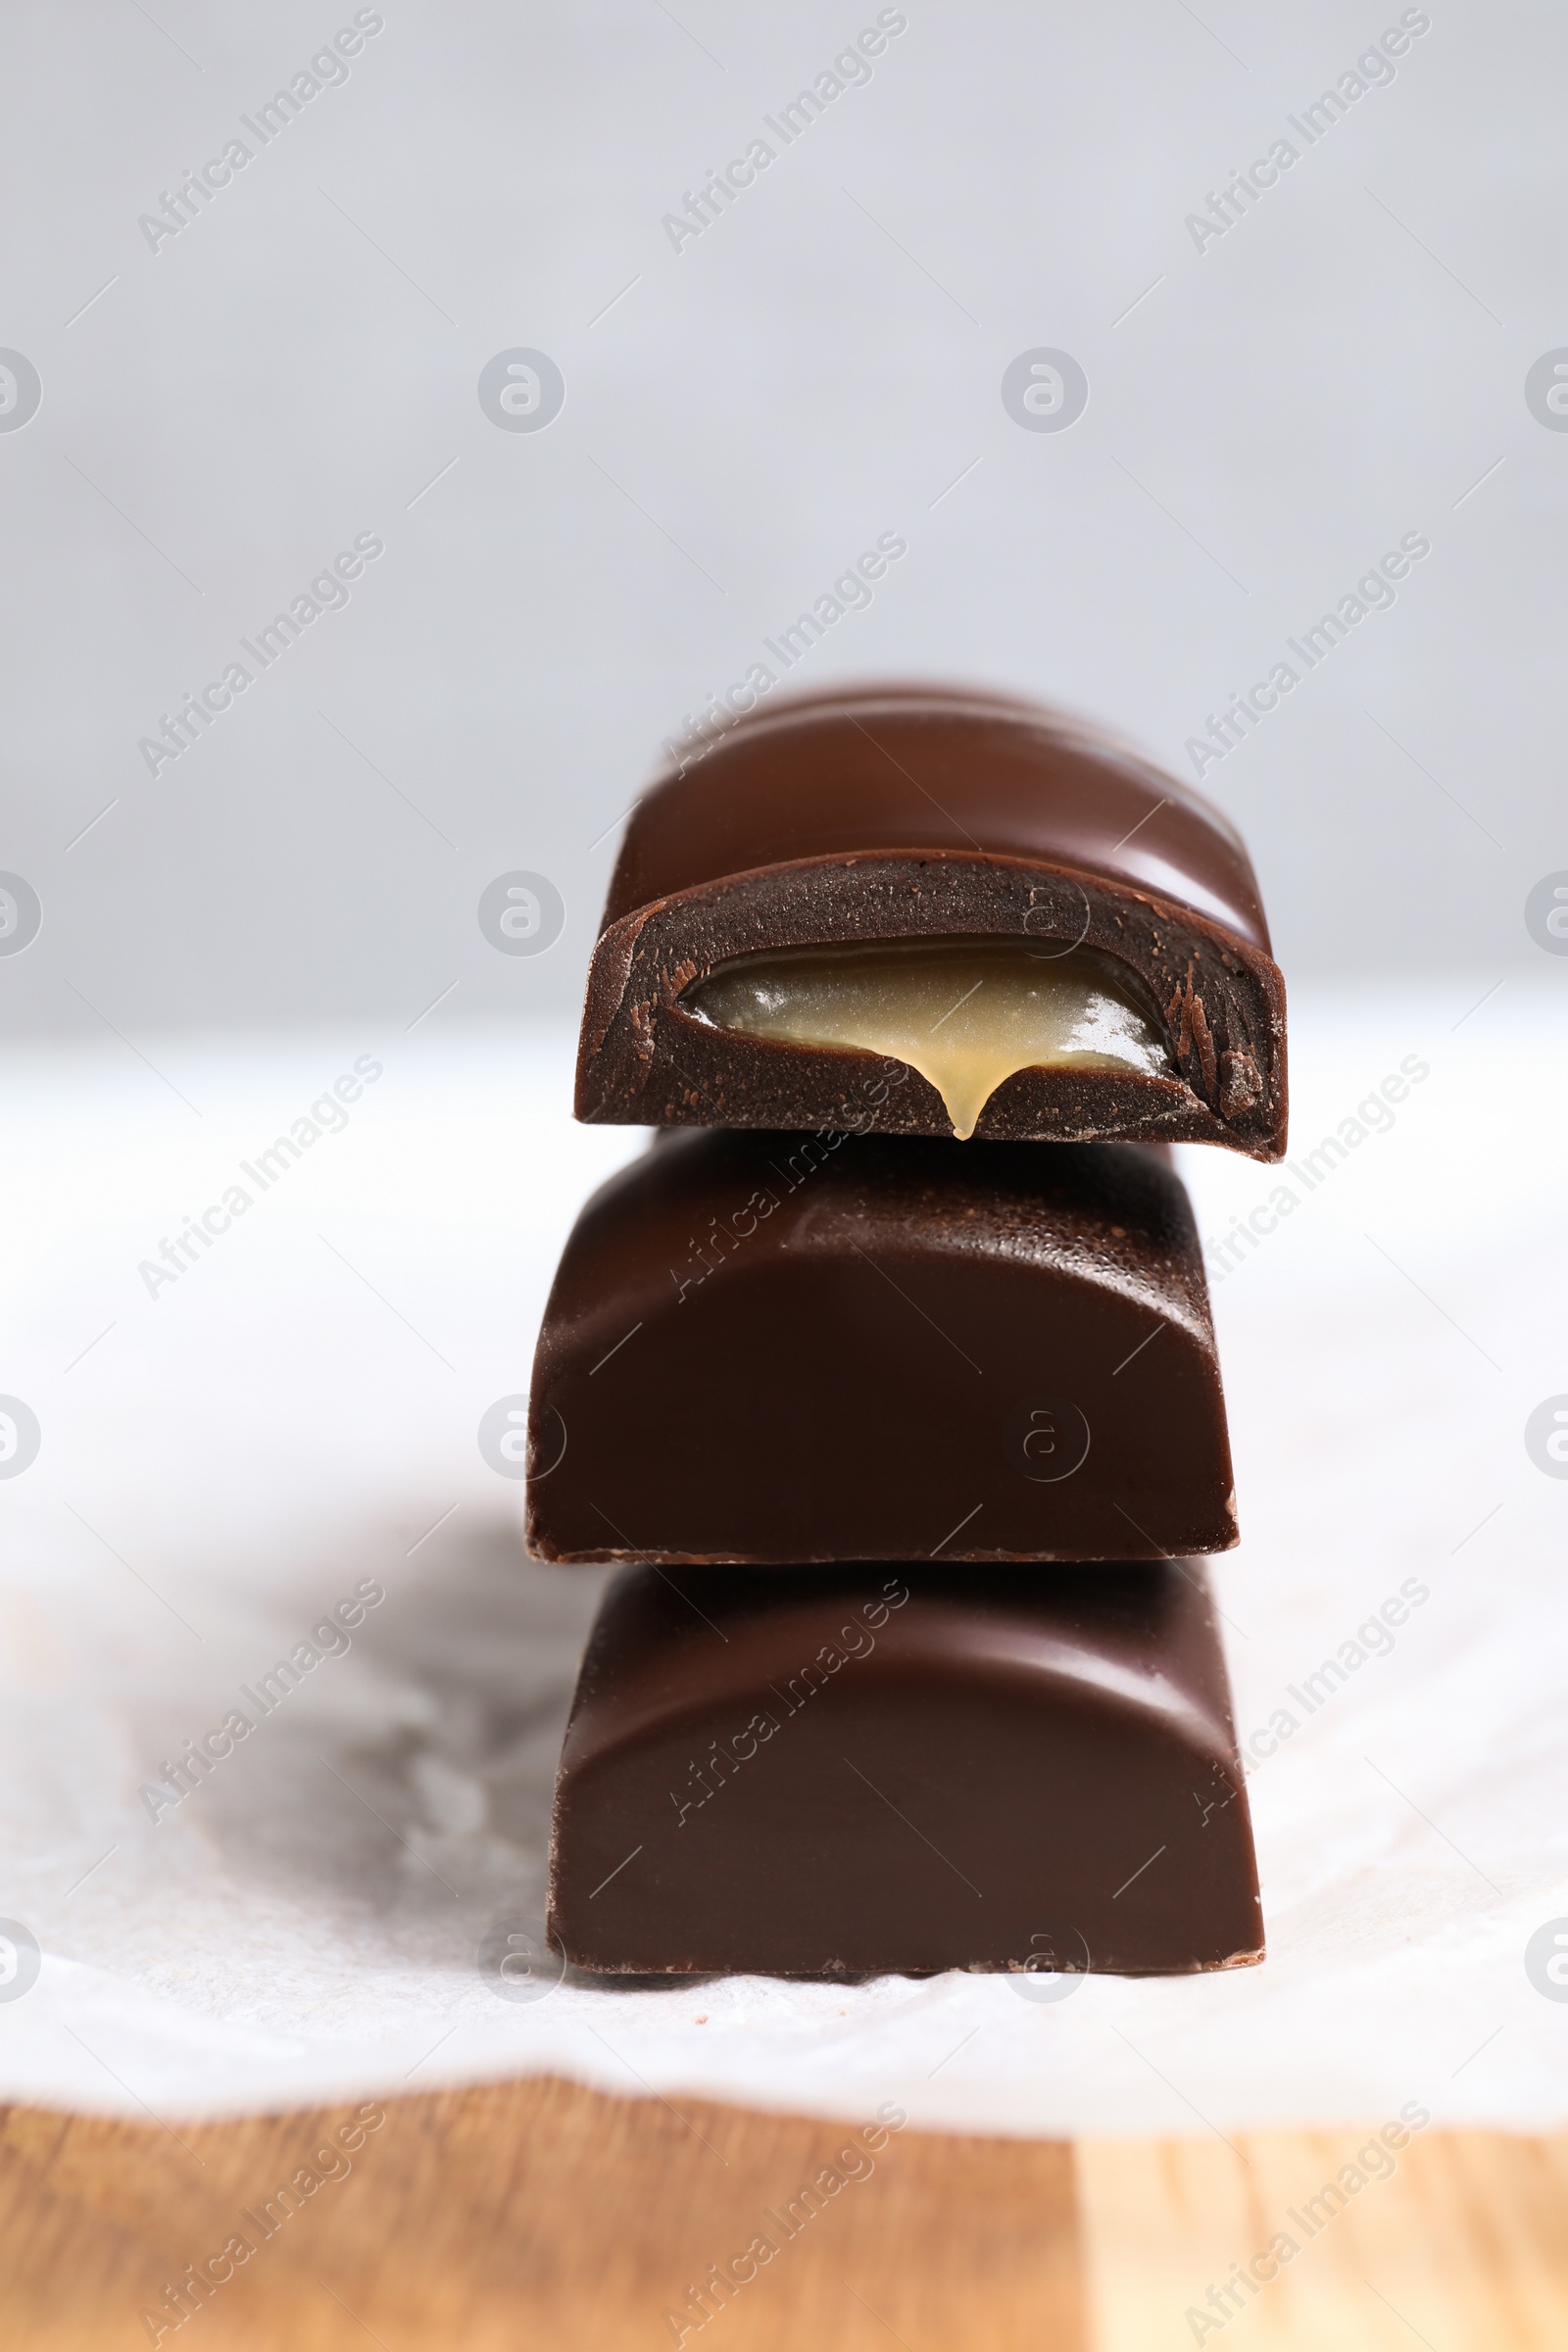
769, 1349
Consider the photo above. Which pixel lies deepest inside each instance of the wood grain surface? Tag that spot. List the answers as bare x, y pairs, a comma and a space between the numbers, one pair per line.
543, 2214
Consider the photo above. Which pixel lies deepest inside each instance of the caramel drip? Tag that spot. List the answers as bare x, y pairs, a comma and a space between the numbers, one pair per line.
966, 1014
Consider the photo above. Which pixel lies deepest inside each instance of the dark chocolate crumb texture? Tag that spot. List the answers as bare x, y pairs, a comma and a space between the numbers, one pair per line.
913, 817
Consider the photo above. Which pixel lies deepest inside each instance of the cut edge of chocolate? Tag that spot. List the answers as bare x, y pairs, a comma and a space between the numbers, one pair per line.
646, 1059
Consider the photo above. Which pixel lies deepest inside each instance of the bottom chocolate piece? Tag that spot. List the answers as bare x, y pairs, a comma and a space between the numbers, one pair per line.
863, 1771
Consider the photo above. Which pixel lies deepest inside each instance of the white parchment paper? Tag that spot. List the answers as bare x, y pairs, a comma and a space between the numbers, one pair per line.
225, 1456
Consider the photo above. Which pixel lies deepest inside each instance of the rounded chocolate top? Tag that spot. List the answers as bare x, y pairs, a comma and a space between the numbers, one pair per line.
932, 770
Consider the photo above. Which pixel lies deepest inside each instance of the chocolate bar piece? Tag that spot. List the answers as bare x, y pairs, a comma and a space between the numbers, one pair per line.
850, 1772
772, 1348
1057, 940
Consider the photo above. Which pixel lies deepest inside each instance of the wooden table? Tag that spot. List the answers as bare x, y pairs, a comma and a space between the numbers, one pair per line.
539, 2213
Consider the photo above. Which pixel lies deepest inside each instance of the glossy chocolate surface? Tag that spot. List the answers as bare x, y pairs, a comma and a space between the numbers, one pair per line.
905, 768
772, 1348
901, 814
911, 1769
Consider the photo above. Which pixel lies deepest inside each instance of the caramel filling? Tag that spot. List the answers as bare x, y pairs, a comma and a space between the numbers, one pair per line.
966, 1014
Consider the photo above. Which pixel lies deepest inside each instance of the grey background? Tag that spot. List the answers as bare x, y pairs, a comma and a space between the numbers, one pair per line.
1266, 416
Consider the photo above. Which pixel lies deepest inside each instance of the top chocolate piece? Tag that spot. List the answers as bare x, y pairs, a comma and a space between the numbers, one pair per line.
1078, 934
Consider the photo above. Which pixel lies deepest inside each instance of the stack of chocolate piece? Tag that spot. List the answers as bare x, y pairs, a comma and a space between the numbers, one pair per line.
888, 1371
